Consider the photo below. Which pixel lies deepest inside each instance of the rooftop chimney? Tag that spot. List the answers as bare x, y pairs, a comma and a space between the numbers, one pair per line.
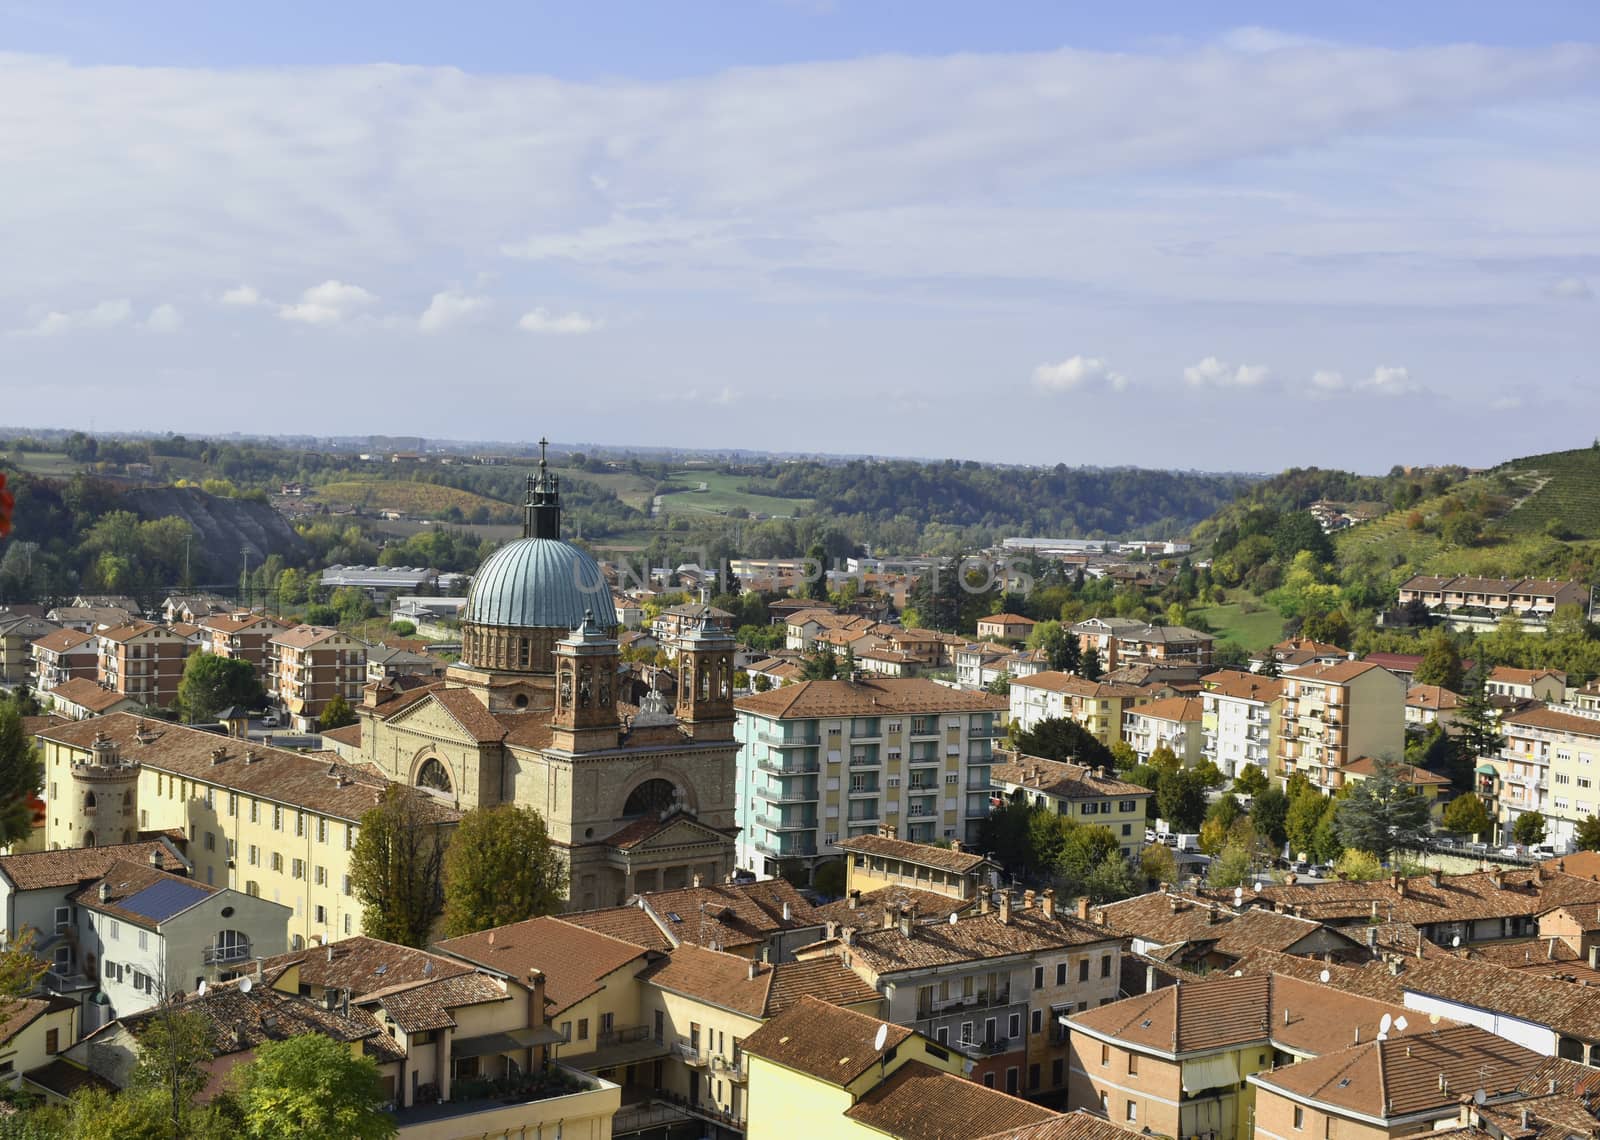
1594, 956
1027, 900
155, 857
1497, 878
105, 892
697, 881
1005, 908
888, 917
1211, 915
755, 969
788, 912
848, 934
983, 901
908, 919
955, 845
1436, 876
855, 898
330, 951
1290, 879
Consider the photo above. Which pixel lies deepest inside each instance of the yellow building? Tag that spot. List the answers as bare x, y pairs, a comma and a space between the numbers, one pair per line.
1087, 795
821, 1070
873, 862
33, 1032
1434, 788
264, 821
1334, 714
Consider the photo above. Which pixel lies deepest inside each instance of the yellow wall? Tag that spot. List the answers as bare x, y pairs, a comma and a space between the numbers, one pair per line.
578, 1116
719, 1030
1275, 1119
785, 1103
26, 1050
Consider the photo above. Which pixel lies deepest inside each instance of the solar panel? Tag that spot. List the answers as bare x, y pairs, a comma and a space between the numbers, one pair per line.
164, 899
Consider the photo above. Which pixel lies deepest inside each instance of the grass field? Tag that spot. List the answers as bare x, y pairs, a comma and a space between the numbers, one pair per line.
427, 500
45, 463
721, 495
1565, 487
634, 490
1253, 631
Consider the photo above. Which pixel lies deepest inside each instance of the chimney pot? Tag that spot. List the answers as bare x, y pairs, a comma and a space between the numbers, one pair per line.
855, 898
1027, 900
755, 969
983, 901
155, 857
1005, 908
697, 882
888, 917
105, 892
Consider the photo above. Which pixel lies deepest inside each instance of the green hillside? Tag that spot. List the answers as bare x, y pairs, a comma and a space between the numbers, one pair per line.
1563, 494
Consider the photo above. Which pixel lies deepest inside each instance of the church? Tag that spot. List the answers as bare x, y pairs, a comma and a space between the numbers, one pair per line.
637, 798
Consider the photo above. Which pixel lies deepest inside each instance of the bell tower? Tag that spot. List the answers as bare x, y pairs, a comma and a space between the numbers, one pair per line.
705, 681
541, 511
585, 717
103, 806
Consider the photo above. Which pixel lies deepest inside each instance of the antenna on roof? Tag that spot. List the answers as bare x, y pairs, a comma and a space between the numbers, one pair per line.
1383, 1027
1238, 896
1480, 1097
1400, 1024
879, 1038
246, 986
1455, 940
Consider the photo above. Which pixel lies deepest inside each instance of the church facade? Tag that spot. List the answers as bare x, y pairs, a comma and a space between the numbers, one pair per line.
637, 798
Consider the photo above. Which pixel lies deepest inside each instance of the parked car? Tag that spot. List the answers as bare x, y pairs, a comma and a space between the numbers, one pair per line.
270, 720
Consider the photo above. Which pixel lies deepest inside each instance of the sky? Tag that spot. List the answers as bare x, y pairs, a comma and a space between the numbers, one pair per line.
1222, 236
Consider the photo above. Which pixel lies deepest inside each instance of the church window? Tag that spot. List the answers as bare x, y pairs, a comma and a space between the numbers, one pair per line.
434, 775
127, 798
585, 686
522, 701
650, 798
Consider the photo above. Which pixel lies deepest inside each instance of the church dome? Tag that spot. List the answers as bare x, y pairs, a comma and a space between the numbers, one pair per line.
539, 583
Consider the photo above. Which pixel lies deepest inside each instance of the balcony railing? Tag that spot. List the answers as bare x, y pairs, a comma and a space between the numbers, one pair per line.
979, 1000
690, 1053
789, 767
621, 1035
778, 823
217, 955
787, 795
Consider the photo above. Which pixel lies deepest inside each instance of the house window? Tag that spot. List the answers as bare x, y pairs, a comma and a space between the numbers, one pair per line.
1033, 1076
52, 1041
233, 803
1083, 970
1057, 1071
1299, 1118
144, 940
63, 919
1038, 1020
1038, 977
277, 817
116, 930
277, 861
347, 924
1105, 965
255, 856
566, 1031
1133, 1064
319, 875
298, 868
1105, 1054
321, 915
211, 841
1132, 1112
255, 811
344, 884
1061, 973
322, 830
583, 1029
1014, 1025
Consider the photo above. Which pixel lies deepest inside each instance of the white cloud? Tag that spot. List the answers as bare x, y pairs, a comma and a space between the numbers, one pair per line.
451, 307
327, 304
1326, 382
1214, 373
1572, 289
164, 319
107, 314
570, 324
1077, 372
1391, 380
241, 296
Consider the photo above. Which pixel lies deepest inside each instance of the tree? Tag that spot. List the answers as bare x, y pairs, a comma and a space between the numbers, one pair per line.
1234, 866
1358, 866
312, 1085
1089, 667
1158, 864
1477, 720
1182, 800
1209, 773
396, 866
1123, 756
500, 867
828, 878
337, 713
1061, 738
1268, 813
1000, 686
1382, 812
174, 1047
762, 683
1441, 662
1304, 812
1588, 835
1251, 781
1466, 815
20, 774
816, 587
1059, 645
1530, 828
211, 683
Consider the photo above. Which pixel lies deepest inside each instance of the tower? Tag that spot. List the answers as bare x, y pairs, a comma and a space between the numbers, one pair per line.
541, 512
705, 681
585, 718
104, 800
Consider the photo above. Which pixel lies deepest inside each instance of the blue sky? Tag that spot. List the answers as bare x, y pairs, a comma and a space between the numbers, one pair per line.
1208, 236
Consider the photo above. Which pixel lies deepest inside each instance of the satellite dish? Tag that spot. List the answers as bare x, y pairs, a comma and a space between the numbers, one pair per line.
1384, 1023
1455, 940
427, 969
1257, 886
1433, 1019
245, 986
1324, 976
1238, 895
200, 991
1480, 1097
879, 1038
1400, 1024
952, 919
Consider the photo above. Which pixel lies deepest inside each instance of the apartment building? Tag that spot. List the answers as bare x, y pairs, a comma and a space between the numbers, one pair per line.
142, 661
992, 985
1124, 641
243, 637
1173, 723
1333, 714
1549, 764
822, 761
1178, 1061
18, 632
271, 823
1099, 706
1088, 795
1534, 598
1239, 717
62, 656
310, 665
1427, 705
1005, 627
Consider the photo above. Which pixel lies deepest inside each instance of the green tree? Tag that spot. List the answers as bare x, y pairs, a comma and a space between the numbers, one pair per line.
174, 1047
1304, 812
1530, 828
1110, 879
1124, 757
1000, 686
1234, 866
1269, 809
20, 774
1251, 781
1477, 720
395, 868
1089, 666
1061, 738
1059, 644
1358, 866
1466, 815
337, 713
1382, 812
312, 1085
1441, 662
1164, 760
211, 683
1210, 775
1158, 864
816, 586
500, 868
1588, 835
828, 878
1182, 800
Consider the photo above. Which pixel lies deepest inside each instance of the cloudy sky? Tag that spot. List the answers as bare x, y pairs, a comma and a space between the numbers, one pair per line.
1187, 235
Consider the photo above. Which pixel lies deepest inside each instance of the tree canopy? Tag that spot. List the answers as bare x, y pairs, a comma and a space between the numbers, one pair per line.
1381, 812
20, 774
312, 1085
395, 868
500, 867
1061, 738
1467, 815
212, 683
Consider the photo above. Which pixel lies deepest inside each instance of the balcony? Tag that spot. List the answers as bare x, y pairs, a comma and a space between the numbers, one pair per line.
221, 955
620, 1045
800, 847
777, 740
778, 823
989, 1047
787, 795
980, 1000
63, 979
732, 1070
789, 767
690, 1054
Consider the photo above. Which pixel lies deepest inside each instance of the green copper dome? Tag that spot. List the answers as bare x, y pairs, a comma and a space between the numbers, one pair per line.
539, 583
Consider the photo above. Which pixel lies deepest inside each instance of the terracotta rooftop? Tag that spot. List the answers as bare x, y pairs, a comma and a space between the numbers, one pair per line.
1074, 685
1059, 778
1411, 1072
1339, 674
868, 911
64, 641
1406, 773
572, 959
922, 854
1416, 900
971, 938
129, 630
1243, 686
629, 923
727, 916
1570, 1009
1079, 1125
919, 1102
305, 636
725, 980
824, 1041
871, 696
1007, 619
1179, 709
87, 694
418, 1006
1547, 718
277, 775
361, 965
1163, 918
44, 869
1432, 697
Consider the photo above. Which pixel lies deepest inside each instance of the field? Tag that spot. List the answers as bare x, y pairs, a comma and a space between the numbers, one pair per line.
45, 463
721, 495
424, 500
634, 490
1565, 488
1253, 631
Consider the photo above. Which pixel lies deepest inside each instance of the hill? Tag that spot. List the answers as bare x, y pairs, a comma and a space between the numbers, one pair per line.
1562, 494
223, 527
419, 500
